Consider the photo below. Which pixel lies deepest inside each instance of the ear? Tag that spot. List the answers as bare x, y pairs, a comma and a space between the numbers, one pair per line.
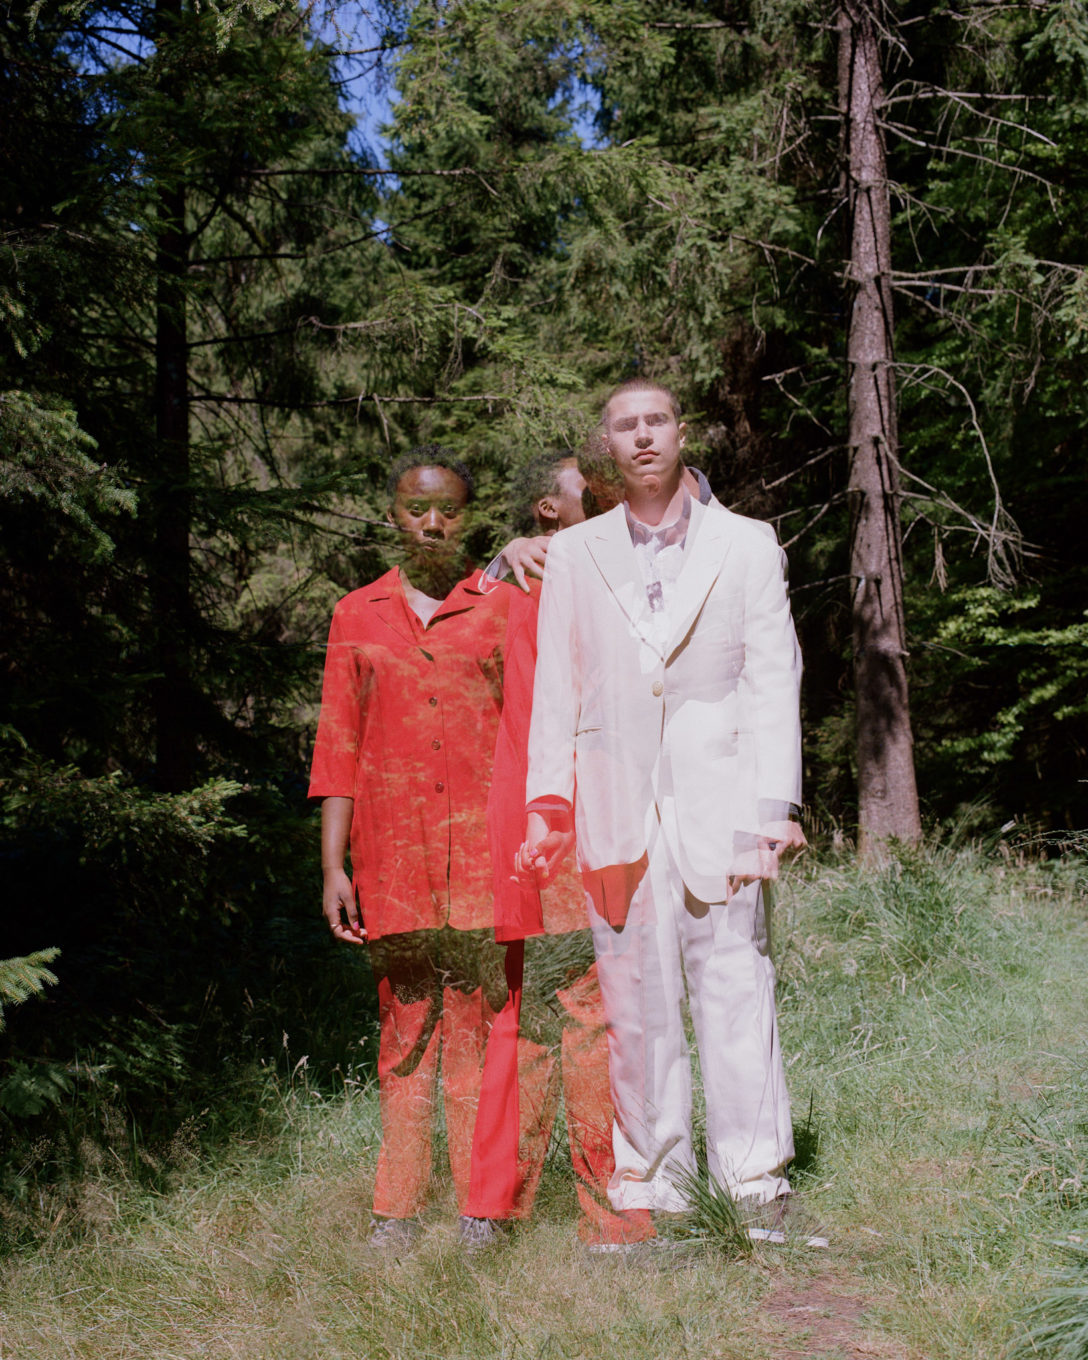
682, 427
545, 513
390, 516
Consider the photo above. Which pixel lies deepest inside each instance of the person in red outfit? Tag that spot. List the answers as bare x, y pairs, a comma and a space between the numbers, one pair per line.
551, 1034
409, 717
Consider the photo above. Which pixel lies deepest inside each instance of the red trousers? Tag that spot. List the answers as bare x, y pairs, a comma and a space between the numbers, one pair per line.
518, 1103
438, 993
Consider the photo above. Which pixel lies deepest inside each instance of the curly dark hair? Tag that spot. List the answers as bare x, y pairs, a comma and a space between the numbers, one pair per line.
425, 456
535, 479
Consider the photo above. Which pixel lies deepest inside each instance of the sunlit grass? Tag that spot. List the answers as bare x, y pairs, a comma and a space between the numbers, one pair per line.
1057, 1321
935, 1025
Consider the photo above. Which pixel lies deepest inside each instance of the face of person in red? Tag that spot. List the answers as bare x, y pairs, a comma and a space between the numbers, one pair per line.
644, 438
429, 510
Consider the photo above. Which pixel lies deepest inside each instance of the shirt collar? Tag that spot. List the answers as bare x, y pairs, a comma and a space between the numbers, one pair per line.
463, 595
705, 492
661, 535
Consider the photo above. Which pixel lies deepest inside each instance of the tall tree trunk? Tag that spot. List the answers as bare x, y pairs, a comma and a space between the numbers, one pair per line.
887, 791
175, 736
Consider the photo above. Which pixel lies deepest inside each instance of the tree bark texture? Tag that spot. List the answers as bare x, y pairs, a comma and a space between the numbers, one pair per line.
175, 738
887, 791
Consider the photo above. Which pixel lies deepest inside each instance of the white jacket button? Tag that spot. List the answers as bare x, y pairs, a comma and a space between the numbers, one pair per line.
659, 689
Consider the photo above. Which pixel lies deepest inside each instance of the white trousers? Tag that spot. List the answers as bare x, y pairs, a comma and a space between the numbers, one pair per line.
721, 949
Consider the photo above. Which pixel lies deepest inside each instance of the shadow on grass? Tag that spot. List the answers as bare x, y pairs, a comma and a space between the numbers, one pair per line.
806, 1145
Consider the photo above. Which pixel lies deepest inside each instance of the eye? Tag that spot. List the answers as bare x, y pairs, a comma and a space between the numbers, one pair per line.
658, 418
451, 510
624, 424
416, 508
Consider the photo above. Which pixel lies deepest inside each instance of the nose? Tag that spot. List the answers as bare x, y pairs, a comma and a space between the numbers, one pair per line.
643, 439
433, 524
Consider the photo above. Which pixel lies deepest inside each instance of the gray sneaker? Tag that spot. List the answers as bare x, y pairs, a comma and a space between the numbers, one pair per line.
394, 1235
477, 1234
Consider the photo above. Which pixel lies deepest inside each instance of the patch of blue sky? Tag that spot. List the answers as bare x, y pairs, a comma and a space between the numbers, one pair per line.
366, 71
364, 67
583, 102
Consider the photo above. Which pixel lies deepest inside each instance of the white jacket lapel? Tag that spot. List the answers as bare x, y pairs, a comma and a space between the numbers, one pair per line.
707, 548
614, 555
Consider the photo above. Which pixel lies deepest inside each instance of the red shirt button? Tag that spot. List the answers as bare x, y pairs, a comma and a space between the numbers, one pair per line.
433, 700
440, 787
436, 745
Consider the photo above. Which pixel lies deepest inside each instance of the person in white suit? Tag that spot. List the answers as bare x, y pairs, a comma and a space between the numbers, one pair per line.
666, 719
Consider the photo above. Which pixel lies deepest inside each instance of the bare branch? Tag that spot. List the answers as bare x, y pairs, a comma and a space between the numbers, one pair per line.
922, 275
345, 514
692, 27
817, 457
776, 378
769, 246
360, 170
822, 583
222, 399
366, 51
961, 98
936, 92
820, 513
900, 131
1003, 538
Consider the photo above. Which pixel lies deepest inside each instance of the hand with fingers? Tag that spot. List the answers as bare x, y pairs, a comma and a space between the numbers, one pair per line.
338, 894
341, 908
776, 841
548, 839
526, 557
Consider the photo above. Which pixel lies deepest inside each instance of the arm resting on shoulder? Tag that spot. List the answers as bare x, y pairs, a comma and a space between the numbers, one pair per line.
522, 556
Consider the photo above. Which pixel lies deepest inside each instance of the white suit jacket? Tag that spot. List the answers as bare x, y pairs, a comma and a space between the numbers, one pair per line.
706, 728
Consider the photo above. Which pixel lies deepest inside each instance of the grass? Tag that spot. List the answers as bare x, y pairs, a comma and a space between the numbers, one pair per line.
1058, 1320
935, 1024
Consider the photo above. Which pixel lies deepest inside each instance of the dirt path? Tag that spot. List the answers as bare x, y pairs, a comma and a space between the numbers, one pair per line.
827, 1318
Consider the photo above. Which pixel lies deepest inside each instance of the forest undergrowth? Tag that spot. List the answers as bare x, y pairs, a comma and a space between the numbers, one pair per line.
934, 1018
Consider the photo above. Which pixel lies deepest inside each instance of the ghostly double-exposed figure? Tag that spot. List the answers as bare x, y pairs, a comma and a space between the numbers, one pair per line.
550, 1041
409, 717
666, 735
641, 708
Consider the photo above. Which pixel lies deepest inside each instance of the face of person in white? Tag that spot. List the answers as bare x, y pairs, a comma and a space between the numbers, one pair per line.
646, 442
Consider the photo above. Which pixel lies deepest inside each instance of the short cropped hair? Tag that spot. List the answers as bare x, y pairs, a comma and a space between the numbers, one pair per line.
425, 456
537, 478
642, 385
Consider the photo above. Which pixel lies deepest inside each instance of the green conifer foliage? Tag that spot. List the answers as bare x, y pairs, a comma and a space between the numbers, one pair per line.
703, 239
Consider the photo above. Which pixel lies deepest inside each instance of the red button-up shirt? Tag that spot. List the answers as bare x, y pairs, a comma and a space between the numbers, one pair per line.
409, 717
